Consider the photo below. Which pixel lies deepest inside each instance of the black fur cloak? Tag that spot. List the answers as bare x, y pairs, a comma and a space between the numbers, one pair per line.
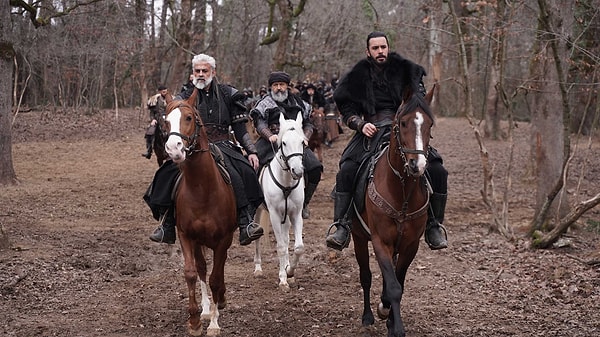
354, 94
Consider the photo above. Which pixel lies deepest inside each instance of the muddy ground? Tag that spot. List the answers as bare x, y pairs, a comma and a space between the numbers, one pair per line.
80, 262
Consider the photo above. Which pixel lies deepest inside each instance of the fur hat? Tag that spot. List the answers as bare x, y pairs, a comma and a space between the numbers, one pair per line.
279, 76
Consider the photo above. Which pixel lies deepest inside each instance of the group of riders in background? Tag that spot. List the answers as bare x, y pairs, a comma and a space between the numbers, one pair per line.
319, 94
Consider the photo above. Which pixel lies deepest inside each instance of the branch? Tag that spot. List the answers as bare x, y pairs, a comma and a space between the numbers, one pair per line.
542, 240
43, 21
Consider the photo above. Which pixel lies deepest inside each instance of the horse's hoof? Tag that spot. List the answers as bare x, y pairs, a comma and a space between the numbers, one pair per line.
258, 274
195, 331
289, 272
213, 332
222, 305
382, 313
284, 287
205, 317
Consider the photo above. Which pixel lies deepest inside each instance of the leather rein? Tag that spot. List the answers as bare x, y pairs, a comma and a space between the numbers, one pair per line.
192, 141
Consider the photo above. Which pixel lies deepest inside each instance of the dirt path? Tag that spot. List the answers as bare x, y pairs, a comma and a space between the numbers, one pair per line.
81, 263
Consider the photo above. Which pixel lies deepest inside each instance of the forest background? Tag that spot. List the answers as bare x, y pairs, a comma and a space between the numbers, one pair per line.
493, 61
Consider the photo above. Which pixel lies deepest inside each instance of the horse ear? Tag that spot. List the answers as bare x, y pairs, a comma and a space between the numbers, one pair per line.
407, 94
169, 98
299, 118
429, 96
192, 99
281, 119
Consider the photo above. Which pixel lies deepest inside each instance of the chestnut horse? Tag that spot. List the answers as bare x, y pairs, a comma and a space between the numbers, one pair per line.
319, 135
395, 211
205, 211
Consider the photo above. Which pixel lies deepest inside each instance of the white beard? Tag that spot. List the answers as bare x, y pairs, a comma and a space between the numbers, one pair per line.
280, 96
201, 85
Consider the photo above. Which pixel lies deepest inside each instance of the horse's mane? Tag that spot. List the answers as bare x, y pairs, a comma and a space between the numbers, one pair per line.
413, 103
177, 103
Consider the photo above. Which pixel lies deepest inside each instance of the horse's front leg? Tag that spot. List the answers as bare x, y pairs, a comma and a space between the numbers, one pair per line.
201, 270
282, 235
297, 225
361, 251
191, 276
392, 290
217, 287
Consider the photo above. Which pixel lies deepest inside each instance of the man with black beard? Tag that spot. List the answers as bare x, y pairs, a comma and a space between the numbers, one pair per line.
266, 113
221, 107
368, 97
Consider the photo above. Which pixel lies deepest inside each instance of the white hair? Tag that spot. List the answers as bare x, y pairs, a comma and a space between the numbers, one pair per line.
203, 58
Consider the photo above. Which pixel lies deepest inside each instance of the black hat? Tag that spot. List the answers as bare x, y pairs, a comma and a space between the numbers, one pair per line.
279, 76
161, 87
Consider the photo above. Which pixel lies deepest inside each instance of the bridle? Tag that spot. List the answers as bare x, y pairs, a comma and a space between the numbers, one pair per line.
283, 161
402, 151
192, 141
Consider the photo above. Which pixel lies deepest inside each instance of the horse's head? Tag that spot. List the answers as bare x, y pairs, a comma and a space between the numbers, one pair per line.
412, 130
317, 118
183, 124
291, 142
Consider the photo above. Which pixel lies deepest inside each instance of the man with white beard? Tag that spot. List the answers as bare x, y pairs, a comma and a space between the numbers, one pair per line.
221, 107
280, 100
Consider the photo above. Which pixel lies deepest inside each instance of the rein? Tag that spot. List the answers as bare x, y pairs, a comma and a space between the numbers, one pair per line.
402, 152
192, 141
403, 215
287, 190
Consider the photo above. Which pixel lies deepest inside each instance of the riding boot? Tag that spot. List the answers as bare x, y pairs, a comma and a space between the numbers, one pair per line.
149, 140
249, 230
166, 229
435, 234
309, 190
341, 237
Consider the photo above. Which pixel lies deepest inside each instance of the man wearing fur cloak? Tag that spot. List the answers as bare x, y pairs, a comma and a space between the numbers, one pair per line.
368, 97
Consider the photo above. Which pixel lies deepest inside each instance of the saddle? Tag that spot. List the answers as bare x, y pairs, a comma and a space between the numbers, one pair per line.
364, 176
218, 157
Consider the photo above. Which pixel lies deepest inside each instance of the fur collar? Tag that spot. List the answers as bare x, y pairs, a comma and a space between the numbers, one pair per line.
356, 88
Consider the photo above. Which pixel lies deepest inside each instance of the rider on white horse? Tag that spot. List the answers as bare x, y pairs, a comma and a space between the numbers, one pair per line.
265, 114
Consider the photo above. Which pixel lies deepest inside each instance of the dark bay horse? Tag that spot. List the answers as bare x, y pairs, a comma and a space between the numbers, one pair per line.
319, 135
205, 211
395, 211
158, 143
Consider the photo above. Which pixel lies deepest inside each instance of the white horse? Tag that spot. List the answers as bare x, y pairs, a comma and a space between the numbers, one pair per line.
282, 183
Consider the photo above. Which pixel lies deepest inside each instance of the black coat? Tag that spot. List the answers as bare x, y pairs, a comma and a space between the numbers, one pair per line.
354, 94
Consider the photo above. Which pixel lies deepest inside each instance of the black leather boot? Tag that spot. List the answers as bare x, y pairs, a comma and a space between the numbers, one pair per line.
309, 190
435, 233
340, 239
149, 140
166, 229
249, 230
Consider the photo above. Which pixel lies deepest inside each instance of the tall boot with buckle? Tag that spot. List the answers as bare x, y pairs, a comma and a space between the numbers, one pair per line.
340, 239
249, 230
149, 141
165, 232
309, 190
435, 234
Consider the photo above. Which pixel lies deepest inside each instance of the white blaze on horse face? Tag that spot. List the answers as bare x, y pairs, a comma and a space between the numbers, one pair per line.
422, 161
174, 145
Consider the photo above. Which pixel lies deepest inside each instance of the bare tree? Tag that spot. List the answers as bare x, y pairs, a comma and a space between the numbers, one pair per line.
280, 31
7, 54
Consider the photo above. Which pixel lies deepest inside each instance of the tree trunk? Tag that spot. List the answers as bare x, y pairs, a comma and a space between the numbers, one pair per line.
549, 140
7, 53
435, 52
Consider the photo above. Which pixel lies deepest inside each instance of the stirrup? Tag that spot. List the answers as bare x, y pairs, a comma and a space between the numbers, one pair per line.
334, 244
246, 238
443, 245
